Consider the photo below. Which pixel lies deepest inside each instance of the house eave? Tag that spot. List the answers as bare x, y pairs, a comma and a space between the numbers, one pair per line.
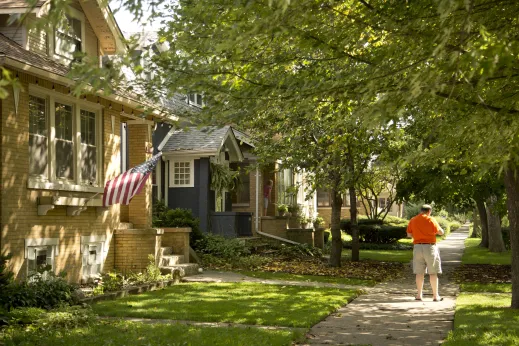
125, 101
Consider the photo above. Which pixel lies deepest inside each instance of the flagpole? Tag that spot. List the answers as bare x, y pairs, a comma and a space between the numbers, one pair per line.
90, 198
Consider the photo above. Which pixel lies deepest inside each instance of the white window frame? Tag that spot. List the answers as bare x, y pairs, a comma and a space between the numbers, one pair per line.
50, 181
51, 244
172, 172
99, 243
73, 13
194, 103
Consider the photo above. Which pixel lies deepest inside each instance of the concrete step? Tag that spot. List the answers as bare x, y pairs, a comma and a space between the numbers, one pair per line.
125, 225
164, 251
171, 260
185, 269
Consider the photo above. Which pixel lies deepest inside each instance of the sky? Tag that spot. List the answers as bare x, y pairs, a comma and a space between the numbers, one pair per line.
125, 20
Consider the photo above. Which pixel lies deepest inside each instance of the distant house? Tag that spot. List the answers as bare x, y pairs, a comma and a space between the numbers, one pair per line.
58, 151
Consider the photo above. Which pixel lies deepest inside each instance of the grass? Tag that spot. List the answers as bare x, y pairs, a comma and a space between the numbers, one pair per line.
246, 303
309, 278
484, 319
402, 256
476, 255
140, 334
480, 287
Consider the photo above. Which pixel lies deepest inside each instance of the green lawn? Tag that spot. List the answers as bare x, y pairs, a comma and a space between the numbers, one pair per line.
402, 256
476, 255
484, 319
247, 303
139, 334
309, 278
479, 287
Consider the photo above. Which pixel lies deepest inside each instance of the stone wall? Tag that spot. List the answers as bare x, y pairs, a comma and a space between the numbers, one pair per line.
301, 235
178, 239
133, 246
274, 225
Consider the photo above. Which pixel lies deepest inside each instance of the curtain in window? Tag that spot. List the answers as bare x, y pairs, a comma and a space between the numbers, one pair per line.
88, 147
38, 140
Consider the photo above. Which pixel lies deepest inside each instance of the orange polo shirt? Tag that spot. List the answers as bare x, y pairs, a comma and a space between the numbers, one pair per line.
423, 228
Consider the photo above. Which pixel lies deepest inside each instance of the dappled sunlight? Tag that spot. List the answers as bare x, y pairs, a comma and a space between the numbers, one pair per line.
246, 303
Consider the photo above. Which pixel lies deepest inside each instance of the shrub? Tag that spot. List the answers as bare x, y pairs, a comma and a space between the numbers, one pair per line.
454, 225
443, 224
63, 317
6, 276
151, 275
380, 234
370, 246
25, 315
43, 291
222, 247
251, 262
346, 223
412, 209
164, 217
395, 221
112, 281
299, 251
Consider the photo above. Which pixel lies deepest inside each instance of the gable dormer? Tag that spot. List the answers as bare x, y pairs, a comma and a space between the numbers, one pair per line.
91, 29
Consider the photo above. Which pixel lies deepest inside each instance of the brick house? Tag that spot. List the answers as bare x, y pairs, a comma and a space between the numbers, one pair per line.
58, 151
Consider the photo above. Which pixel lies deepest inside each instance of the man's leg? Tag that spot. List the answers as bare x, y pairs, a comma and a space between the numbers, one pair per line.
434, 284
419, 285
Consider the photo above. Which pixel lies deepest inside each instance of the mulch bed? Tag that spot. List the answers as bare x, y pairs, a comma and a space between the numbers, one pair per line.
368, 270
483, 273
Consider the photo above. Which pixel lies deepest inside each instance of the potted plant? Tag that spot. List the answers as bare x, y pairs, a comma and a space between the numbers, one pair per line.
318, 221
304, 221
293, 209
282, 209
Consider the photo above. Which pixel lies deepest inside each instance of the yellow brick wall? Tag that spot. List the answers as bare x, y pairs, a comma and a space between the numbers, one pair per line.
19, 217
178, 239
139, 211
274, 225
132, 249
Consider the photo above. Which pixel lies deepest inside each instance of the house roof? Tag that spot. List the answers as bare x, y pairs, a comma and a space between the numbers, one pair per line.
20, 3
14, 51
243, 137
193, 139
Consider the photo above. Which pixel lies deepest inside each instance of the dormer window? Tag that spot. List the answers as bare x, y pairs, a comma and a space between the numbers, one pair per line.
195, 100
68, 41
69, 38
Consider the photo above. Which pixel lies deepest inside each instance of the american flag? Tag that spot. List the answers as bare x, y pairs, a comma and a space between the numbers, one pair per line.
125, 186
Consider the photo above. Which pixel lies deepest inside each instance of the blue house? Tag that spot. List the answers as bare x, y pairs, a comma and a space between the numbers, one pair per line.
185, 174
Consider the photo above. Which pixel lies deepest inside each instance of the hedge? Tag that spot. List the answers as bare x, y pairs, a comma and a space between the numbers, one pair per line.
380, 234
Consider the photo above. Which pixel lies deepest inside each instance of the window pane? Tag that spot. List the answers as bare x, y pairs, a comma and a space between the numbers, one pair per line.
199, 99
64, 144
63, 120
323, 198
88, 146
37, 136
68, 40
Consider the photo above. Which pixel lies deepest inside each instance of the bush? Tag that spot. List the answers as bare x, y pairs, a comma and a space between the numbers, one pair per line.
412, 209
395, 221
43, 291
346, 223
164, 217
443, 224
380, 234
6, 276
112, 281
251, 262
454, 225
299, 251
225, 248
63, 317
151, 275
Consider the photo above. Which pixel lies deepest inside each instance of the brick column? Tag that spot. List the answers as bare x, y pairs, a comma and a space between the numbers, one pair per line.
140, 207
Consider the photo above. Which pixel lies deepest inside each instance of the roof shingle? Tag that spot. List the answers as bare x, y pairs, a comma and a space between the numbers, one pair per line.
208, 138
19, 3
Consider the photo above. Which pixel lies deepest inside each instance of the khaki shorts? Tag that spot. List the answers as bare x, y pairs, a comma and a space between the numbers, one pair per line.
426, 259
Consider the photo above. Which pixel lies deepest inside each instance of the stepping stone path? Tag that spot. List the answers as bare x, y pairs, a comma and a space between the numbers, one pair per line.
388, 313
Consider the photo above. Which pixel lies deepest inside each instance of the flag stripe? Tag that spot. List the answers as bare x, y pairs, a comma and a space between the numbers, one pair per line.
122, 188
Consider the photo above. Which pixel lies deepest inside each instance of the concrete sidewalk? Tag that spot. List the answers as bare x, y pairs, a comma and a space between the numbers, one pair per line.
389, 315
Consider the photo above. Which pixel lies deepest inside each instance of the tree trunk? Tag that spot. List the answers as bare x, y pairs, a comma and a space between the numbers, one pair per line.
495, 236
476, 225
482, 210
355, 245
512, 203
336, 250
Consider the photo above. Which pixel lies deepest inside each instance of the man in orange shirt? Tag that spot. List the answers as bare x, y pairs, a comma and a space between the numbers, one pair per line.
426, 257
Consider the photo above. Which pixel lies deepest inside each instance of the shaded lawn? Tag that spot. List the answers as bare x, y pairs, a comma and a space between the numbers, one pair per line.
140, 334
309, 278
484, 319
480, 287
402, 256
476, 255
247, 303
